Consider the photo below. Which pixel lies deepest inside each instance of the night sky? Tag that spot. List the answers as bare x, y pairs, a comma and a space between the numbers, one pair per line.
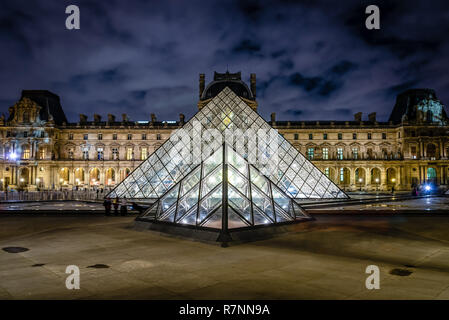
314, 60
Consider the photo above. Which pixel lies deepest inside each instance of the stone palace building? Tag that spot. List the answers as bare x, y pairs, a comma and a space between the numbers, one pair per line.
40, 149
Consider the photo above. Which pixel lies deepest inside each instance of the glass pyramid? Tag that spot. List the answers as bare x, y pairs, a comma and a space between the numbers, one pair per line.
229, 119
225, 189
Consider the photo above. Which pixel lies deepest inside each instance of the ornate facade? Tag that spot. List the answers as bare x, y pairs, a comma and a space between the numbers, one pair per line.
40, 149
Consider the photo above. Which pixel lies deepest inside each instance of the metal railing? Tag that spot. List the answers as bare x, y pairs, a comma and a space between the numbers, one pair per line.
51, 195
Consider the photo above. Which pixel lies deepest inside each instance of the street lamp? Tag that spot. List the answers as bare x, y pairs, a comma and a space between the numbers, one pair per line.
360, 181
377, 184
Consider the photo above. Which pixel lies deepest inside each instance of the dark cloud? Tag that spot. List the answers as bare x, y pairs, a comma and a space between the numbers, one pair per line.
314, 59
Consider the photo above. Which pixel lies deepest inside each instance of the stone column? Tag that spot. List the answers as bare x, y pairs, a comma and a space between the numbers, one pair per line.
383, 178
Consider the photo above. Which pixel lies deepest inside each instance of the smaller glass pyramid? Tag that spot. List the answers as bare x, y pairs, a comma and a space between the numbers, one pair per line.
224, 192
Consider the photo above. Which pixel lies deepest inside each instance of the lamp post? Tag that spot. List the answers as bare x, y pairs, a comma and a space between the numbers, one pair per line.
360, 181
377, 185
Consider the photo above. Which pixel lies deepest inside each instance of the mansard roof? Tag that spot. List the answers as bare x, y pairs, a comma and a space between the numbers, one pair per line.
50, 104
231, 80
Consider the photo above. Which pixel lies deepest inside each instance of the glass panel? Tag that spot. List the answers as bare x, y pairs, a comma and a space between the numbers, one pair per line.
169, 215
234, 220
259, 180
212, 181
189, 218
262, 202
280, 199
190, 181
240, 204
260, 218
281, 215
237, 161
215, 220
188, 201
210, 203
212, 162
169, 199
238, 181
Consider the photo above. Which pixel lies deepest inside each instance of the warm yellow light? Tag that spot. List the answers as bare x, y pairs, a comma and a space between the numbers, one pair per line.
393, 180
37, 179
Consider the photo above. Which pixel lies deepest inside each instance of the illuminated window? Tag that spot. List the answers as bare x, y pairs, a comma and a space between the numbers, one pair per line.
342, 174
310, 136
325, 154
26, 153
310, 152
340, 153
355, 153
100, 136
413, 152
70, 154
326, 172
70, 136
42, 153
143, 153
129, 153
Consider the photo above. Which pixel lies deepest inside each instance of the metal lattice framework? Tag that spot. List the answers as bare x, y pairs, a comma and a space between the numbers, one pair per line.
230, 117
225, 192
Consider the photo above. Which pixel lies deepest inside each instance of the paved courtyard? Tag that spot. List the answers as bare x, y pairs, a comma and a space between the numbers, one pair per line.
323, 259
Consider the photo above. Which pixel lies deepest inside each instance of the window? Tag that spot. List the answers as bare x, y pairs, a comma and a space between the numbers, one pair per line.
85, 153
310, 152
399, 135
26, 153
326, 172
143, 153
354, 136
325, 153
158, 136
100, 136
369, 135
340, 153
340, 136
310, 136
8, 134
355, 153
42, 134
342, 174
114, 136
144, 136
70, 136
70, 154
100, 153
296, 137
129, 153
25, 134
86, 136
130, 136
115, 154
413, 152
413, 134
324, 136
26, 117
384, 135
369, 151
42, 153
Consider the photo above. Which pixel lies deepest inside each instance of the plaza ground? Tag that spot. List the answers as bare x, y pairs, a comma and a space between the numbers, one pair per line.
322, 259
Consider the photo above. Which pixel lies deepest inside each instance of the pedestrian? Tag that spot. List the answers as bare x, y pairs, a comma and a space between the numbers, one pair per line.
116, 203
107, 206
123, 208
392, 190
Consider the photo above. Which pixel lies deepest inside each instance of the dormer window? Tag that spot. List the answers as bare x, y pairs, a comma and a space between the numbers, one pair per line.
26, 116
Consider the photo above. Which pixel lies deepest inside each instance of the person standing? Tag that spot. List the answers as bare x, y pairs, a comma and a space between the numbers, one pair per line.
116, 204
107, 206
123, 207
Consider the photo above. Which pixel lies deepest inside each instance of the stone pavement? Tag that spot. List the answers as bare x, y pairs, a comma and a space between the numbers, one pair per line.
323, 259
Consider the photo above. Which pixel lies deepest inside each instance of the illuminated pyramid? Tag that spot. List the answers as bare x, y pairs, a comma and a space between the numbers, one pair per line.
230, 119
225, 192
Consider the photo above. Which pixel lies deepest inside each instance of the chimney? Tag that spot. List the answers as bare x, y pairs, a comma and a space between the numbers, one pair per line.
83, 118
97, 118
111, 118
181, 119
202, 83
273, 118
124, 117
358, 117
252, 81
372, 117
153, 118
